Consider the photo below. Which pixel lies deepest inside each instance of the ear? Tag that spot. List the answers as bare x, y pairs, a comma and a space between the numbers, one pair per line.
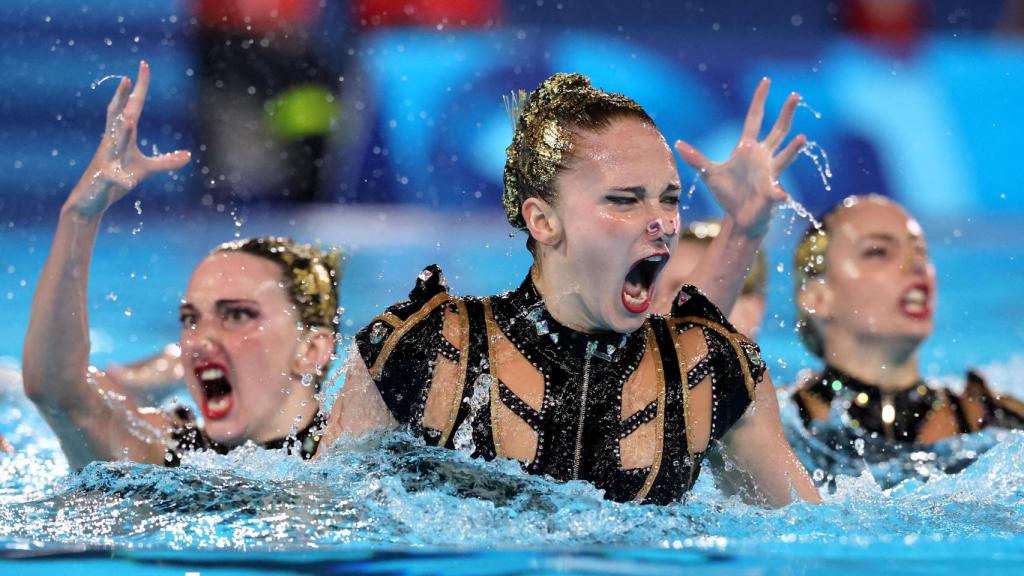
542, 221
816, 299
314, 351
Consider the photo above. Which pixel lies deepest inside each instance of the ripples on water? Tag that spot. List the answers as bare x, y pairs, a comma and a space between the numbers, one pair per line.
391, 490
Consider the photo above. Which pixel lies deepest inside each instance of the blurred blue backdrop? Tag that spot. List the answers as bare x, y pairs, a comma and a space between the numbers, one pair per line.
933, 120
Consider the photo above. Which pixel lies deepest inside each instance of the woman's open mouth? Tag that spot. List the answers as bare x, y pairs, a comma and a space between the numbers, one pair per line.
638, 289
916, 302
217, 400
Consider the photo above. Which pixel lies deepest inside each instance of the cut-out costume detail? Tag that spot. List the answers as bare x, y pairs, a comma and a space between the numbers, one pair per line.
499, 376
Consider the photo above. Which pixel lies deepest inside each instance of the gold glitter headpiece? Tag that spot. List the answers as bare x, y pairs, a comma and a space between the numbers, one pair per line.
809, 261
542, 134
311, 274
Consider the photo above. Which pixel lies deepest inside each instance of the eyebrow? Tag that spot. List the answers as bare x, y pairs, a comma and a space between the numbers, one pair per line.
641, 191
879, 236
220, 304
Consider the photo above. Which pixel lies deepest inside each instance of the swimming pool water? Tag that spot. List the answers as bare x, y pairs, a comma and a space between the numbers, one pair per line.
393, 506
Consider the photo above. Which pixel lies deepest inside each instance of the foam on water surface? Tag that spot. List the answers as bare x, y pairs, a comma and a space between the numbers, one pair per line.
392, 491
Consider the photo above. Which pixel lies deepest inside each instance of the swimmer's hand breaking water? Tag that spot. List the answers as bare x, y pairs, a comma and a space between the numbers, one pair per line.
747, 185
118, 165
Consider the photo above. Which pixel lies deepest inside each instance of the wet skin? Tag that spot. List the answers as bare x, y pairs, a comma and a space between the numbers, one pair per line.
618, 181
237, 319
879, 280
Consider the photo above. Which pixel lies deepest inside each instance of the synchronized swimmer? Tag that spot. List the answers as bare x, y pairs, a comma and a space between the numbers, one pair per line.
606, 364
250, 367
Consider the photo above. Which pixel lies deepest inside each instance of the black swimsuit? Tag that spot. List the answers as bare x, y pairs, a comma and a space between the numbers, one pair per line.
579, 425
188, 436
900, 416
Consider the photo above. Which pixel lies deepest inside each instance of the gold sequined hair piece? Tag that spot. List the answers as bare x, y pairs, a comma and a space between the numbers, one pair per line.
311, 274
810, 260
542, 134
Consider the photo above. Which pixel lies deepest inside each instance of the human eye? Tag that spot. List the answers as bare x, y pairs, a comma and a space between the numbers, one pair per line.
187, 319
619, 200
875, 251
670, 199
237, 316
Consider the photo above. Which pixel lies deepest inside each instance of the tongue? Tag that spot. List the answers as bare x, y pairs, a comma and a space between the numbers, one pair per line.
632, 288
217, 407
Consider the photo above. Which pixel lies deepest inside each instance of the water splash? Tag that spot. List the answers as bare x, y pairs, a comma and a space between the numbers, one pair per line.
818, 155
690, 191
96, 84
392, 490
815, 113
799, 210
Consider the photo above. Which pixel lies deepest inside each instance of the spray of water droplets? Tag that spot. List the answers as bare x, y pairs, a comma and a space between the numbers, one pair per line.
96, 84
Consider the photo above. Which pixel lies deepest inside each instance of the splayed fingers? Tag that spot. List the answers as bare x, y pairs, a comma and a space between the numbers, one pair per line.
783, 123
755, 113
119, 165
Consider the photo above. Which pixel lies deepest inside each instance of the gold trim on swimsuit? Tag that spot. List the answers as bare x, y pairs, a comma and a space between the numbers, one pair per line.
453, 412
659, 420
735, 340
400, 329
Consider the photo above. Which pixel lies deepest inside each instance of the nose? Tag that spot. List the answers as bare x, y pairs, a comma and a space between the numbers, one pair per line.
662, 227
198, 340
917, 262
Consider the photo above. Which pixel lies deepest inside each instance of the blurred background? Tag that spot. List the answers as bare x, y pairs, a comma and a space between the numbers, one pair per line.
379, 125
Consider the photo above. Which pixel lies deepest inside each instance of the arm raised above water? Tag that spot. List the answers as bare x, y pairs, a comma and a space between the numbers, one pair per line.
55, 359
746, 186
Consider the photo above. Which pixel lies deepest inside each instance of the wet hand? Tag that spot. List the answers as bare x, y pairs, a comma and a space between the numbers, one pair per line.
118, 165
747, 185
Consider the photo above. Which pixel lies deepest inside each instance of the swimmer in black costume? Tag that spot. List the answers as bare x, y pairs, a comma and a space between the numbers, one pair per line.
258, 328
568, 374
865, 288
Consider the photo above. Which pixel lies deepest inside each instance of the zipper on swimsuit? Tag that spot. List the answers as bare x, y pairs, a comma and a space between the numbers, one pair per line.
578, 456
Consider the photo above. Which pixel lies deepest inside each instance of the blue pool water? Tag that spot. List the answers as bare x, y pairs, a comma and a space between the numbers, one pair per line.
392, 506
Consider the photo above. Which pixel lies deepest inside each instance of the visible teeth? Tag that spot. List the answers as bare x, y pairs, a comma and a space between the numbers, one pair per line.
655, 258
211, 374
638, 299
916, 295
218, 404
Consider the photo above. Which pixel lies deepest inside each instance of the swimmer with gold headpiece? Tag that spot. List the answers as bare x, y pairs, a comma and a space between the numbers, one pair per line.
568, 373
258, 325
865, 292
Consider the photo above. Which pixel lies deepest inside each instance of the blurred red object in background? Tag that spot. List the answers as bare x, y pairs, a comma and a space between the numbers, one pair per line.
455, 13
257, 16
897, 22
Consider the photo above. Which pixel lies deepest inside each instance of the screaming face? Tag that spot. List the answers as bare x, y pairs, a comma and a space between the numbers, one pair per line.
239, 345
881, 279
618, 209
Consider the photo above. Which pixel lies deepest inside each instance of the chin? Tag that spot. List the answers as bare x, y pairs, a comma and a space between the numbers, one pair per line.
624, 322
227, 433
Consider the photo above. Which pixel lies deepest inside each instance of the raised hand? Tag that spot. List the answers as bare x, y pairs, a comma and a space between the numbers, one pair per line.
119, 165
746, 185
